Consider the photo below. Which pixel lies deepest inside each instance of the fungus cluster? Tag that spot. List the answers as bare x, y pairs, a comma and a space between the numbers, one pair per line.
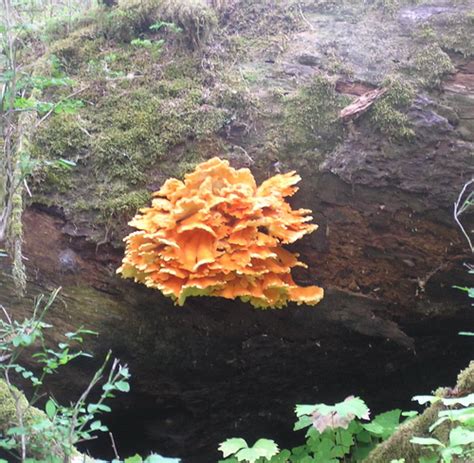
217, 234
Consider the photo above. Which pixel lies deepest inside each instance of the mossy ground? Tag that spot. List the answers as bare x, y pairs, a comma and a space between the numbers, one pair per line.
141, 104
311, 118
388, 115
430, 65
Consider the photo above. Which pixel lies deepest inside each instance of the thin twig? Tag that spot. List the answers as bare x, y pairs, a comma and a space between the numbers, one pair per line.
114, 448
6, 314
459, 208
304, 17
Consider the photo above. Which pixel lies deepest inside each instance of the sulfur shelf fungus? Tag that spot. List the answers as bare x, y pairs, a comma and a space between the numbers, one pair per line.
218, 234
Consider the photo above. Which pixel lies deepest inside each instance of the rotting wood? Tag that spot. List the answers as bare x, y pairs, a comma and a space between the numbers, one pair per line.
361, 104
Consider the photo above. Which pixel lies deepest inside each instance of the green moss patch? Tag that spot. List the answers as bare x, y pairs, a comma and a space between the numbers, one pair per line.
311, 120
134, 18
388, 114
452, 32
430, 65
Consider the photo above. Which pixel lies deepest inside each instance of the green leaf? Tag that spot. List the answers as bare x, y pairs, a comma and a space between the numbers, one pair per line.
134, 459
437, 423
68, 106
66, 163
461, 436
267, 448
232, 446
303, 422
426, 441
385, 424
16, 431
464, 401
301, 410
248, 454
364, 437
347, 439
95, 425
429, 459
424, 399
464, 415
447, 453
352, 406
159, 459
50, 409
122, 386
93, 408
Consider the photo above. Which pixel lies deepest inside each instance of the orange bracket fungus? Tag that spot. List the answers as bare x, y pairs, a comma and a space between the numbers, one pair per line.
217, 234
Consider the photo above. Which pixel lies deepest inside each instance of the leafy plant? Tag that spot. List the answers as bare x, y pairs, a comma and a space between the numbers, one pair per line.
56, 432
166, 25
153, 458
460, 415
263, 448
146, 43
463, 203
21, 102
335, 434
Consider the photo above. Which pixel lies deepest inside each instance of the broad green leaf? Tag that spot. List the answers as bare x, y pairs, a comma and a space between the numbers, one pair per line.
122, 386
95, 425
464, 401
447, 453
338, 451
93, 408
364, 437
134, 459
324, 448
353, 406
346, 437
282, 457
303, 422
232, 446
50, 409
461, 436
266, 448
248, 454
463, 414
426, 441
301, 410
360, 452
385, 424
437, 423
16, 431
424, 399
